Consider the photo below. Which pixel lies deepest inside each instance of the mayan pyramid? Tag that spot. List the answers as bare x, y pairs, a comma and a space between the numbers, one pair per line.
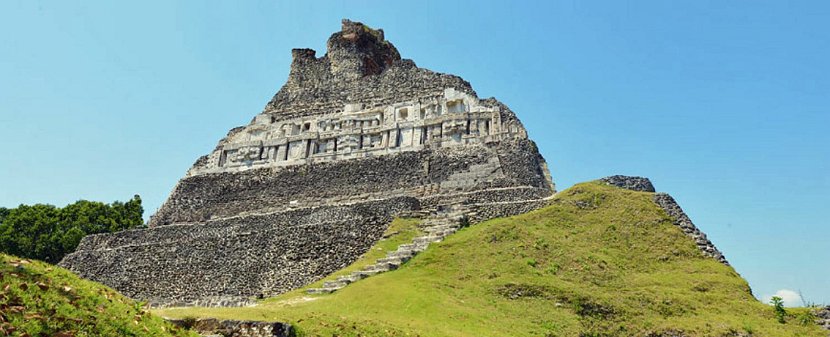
352, 140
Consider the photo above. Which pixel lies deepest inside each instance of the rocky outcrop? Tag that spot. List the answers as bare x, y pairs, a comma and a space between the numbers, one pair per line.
352, 139
668, 204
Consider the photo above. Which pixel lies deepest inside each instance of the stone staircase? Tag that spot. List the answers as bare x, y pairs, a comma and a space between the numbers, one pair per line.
437, 226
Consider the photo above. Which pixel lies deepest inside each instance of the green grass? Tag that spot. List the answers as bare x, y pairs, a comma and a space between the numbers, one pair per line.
38, 299
599, 261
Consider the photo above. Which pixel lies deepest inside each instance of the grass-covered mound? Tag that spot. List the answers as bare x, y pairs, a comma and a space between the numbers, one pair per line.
599, 261
38, 299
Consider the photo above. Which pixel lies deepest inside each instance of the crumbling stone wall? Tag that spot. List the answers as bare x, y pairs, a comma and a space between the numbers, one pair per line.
202, 197
230, 261
630, 183
668, 204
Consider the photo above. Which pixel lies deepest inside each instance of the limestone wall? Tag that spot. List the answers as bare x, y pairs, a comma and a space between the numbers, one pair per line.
230, 261
422, 174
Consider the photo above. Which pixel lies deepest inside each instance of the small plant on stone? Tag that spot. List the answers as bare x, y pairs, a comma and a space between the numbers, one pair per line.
464, 222
778, 306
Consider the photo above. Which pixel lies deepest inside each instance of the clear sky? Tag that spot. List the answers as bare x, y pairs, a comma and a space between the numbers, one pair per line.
723, 104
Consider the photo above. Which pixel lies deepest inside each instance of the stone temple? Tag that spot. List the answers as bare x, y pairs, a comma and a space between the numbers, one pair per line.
353, 139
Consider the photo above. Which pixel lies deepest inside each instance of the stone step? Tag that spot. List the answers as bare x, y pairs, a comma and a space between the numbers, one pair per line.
437, 226
409, 247
348, 279
442, 226
335, 284
380, 267
427, 239
443, 233
365, 273
402, 254
323, 290
437, 223
442, 230
396, 260
390, 265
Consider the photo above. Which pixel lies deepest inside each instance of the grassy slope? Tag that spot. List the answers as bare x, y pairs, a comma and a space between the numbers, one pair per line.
599, 261
37, 299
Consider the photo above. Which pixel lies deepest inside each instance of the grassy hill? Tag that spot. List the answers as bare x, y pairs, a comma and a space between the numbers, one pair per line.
599, 261
38, 299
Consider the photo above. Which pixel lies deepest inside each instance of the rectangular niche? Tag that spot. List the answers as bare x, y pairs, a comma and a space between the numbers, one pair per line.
455, 106
403, 114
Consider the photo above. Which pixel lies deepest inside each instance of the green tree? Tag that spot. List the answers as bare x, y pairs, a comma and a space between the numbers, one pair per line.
3, 213
48, 233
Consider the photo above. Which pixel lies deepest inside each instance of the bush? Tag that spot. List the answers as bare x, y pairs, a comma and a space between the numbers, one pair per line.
778, 306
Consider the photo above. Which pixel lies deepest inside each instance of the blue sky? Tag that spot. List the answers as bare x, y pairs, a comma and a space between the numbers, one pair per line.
722, 104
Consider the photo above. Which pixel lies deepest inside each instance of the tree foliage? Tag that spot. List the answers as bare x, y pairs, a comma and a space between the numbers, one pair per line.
47, 233
778, 305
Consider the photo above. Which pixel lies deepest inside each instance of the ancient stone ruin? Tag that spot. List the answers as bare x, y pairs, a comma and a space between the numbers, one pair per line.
353, 139
672, 209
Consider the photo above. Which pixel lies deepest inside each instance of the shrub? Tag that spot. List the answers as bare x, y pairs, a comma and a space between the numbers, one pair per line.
778, 306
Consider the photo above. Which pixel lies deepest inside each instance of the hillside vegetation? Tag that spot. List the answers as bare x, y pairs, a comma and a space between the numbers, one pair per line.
599, 261
37, 299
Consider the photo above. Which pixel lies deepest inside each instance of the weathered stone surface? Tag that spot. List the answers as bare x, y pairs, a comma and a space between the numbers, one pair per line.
233, 261
359, 121
352, 139
233, 328
631, 183
668, 204
823, 317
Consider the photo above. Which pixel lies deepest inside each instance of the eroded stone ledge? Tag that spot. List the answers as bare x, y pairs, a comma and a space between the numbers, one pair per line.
668, 204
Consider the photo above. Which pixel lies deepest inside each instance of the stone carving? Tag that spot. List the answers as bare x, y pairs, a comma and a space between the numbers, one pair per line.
362, 133
359, 130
